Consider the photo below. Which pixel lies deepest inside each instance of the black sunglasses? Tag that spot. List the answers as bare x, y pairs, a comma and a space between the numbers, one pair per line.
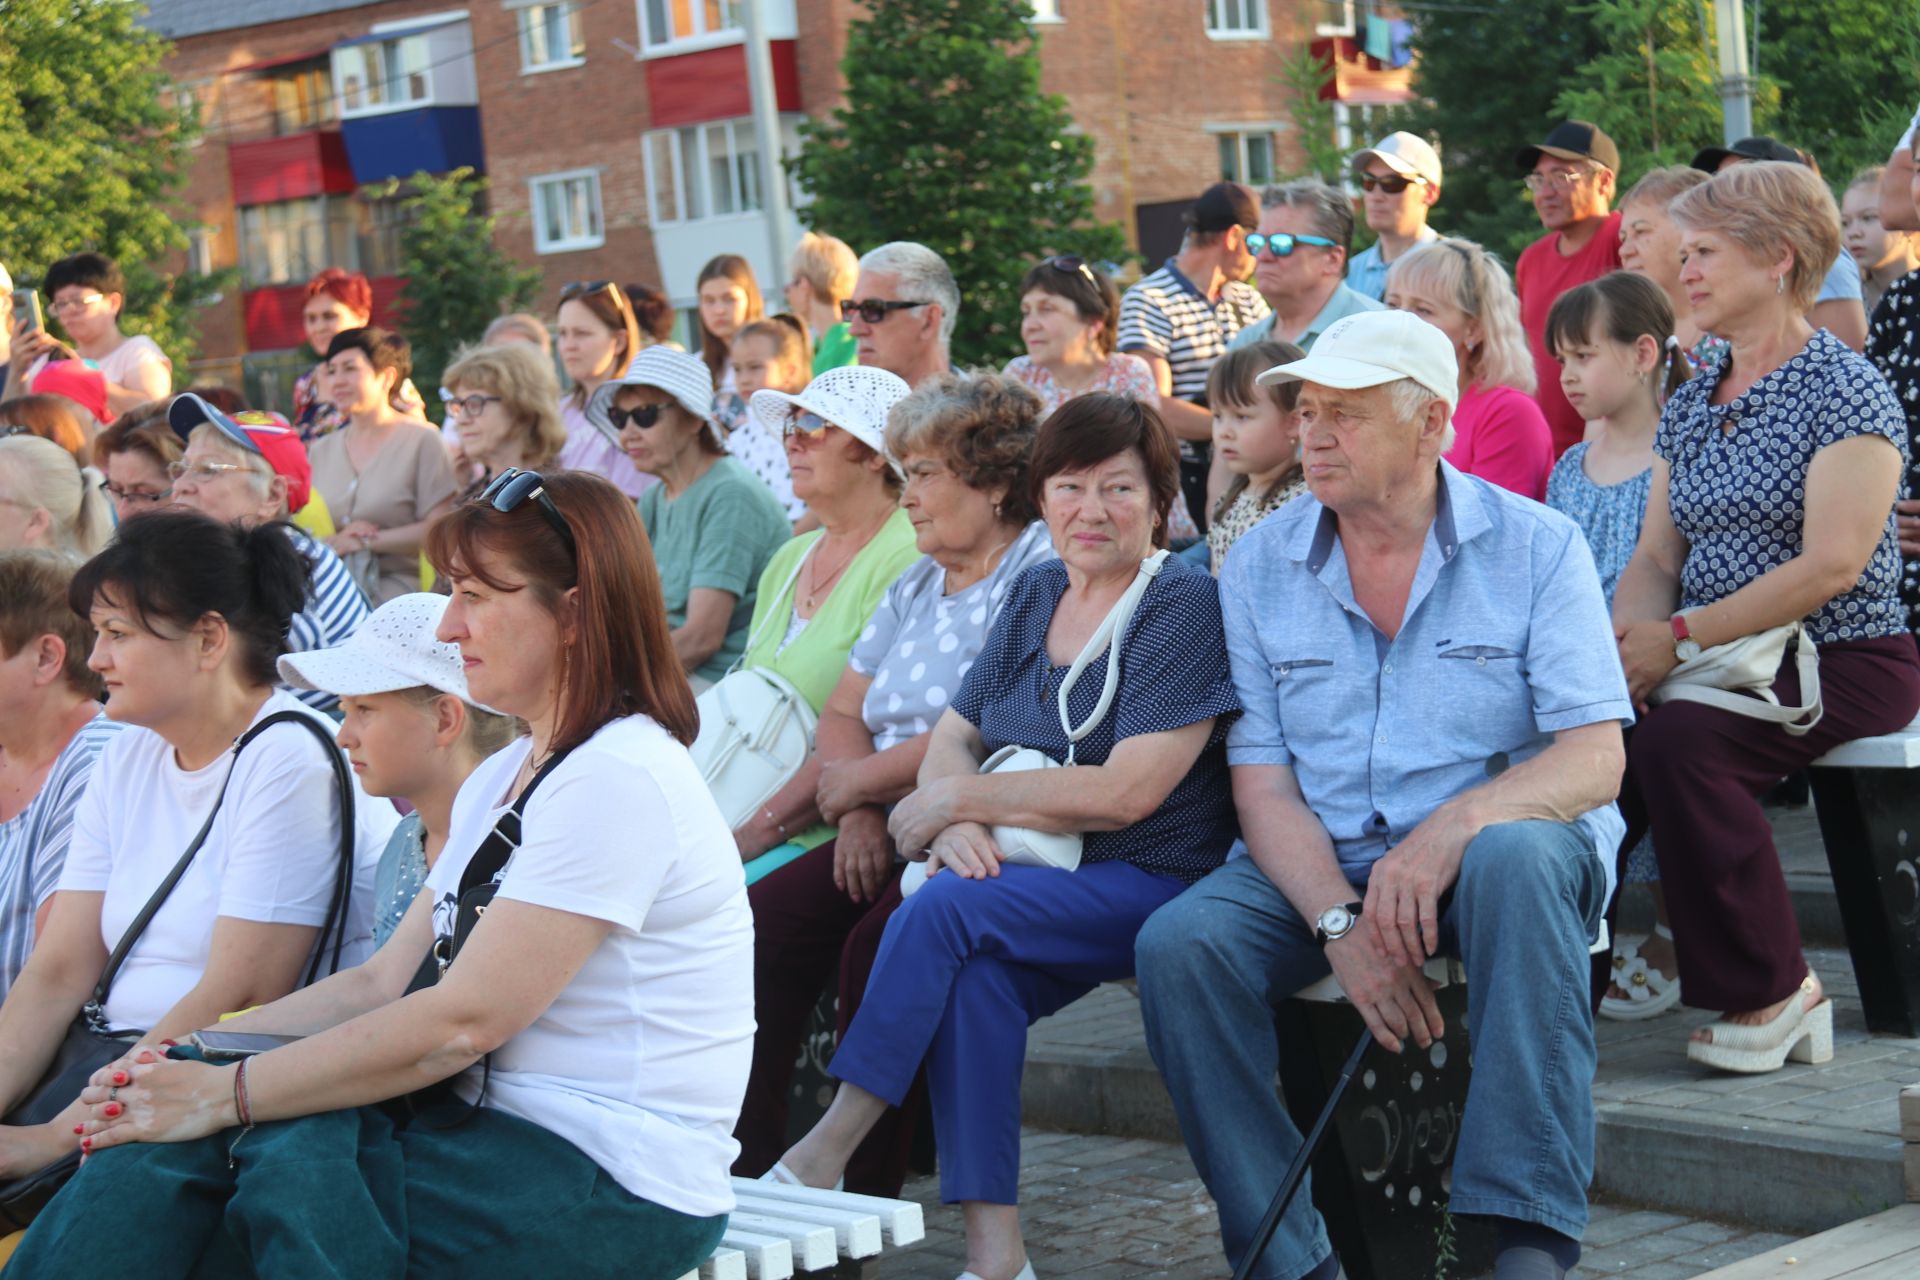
643, 417
1393, 184
1068, 264
587, 288
513, 486
873, 310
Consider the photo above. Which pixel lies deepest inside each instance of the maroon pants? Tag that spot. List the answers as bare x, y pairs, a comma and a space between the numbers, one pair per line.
802, 925
1695, 775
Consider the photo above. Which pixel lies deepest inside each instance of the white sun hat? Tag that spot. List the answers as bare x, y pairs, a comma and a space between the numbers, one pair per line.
854, 398
1370, 348
394, 648
682, 376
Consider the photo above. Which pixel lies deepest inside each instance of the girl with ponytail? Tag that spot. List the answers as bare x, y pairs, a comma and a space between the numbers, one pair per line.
188, 617
47, 500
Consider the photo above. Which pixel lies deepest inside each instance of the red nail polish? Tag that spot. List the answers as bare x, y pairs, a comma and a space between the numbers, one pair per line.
120, 1077
111, 1110
79, 1128
86, 1145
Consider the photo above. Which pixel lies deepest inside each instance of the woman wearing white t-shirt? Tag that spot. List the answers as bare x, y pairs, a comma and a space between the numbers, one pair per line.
608, 985
188, 616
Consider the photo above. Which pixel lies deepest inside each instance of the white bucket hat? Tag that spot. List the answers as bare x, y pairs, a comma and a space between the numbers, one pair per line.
682, 376
1371, 348
854, 398
393, 649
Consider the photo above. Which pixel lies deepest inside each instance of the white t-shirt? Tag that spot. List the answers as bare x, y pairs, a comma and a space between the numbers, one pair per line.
642, 1060
119, 364
270, 856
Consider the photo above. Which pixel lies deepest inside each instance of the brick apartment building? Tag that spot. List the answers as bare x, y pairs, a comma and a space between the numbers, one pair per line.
617, 137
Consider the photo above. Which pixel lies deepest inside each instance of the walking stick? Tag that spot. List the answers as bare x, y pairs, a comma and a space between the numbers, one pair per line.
1297, 1171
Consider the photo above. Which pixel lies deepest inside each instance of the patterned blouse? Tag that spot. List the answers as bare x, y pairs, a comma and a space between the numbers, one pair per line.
1739, 473
1124, 375
1608, 514
1240, 508
1893, 344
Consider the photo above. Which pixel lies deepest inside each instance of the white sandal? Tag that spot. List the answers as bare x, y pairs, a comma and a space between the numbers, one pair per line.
1796, 1032
1026, 1273
1650, 992
788, 1178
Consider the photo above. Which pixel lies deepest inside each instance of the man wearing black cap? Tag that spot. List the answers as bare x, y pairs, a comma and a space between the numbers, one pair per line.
1571, 176
1840, 307
1180, 319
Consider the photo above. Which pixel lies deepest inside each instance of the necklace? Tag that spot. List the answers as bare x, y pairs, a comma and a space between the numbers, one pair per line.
816, 589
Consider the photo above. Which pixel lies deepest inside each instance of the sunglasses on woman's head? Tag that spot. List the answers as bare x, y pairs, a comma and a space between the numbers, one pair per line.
642, 417
1392, 183
873, 310
513, 486
804, 422
1281, 244
1069, 264
587, 288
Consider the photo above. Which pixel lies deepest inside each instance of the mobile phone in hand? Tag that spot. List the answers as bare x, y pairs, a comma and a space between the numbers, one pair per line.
26, 311
230, 1046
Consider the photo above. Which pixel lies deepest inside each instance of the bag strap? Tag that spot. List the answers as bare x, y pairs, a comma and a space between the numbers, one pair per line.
1106, 637
753, 637
95, 1011
494, 851
1795, 720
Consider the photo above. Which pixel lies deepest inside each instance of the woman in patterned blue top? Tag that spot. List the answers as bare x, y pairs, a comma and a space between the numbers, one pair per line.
982, 950
1771, 503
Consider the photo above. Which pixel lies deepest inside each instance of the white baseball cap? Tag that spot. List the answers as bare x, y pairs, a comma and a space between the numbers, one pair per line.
1370, 348
1407, 154
394, 648
682, 376
854, 398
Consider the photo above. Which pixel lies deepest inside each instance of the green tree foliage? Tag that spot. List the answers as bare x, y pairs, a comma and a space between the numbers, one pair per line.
1848, 73
946, 139
93, 146
457, 279
1312, 117
1653, 91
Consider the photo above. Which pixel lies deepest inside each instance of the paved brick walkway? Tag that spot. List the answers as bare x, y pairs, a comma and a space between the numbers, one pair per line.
1100, 1208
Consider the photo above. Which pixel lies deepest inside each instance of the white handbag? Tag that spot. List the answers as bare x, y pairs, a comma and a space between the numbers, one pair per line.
756, 732
1738, 676
1024, 846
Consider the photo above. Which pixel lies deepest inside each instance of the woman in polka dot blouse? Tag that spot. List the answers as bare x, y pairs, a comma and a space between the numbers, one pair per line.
982, 950
964, 443
1771, 502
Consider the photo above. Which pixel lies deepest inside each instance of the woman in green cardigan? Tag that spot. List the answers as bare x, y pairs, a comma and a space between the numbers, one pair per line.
820, 589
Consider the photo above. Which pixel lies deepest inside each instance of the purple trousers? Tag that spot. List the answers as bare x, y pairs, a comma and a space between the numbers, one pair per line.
1695, 775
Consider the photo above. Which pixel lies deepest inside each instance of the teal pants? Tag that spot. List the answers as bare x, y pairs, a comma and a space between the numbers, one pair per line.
349, 1194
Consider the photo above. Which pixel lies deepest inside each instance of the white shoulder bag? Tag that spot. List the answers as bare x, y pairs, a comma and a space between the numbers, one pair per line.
756, 731
1024, 846
1738, 676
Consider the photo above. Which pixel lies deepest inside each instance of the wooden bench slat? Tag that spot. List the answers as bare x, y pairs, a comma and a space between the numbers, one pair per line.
768, 1257
856, 1234
725, 1264
1885, 1246
1888, 751
902, 1220
813, 1246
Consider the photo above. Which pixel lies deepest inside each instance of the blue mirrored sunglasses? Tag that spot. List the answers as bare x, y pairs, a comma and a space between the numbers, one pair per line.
1281, 244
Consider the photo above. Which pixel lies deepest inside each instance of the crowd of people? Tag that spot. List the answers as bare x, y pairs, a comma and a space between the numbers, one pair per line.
400, 804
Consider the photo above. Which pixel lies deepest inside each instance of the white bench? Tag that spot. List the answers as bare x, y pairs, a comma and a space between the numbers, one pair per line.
777, 1230
1869, 812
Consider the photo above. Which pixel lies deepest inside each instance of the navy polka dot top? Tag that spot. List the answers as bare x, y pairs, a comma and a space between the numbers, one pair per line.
1173, 673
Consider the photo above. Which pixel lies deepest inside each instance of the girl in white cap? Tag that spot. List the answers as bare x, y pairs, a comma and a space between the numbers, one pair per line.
411, 732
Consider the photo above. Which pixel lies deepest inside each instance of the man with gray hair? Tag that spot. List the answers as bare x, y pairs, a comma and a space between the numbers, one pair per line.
902, 311
1300, 263
1426, 764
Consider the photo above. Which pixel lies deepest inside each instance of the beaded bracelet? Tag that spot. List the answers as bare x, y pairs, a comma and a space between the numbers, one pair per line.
242, 1109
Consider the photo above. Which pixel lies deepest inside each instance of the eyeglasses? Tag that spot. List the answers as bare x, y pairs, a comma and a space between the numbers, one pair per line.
643, 417
804, 422
1391, 183
513, 486
1560, 179
1281, 244
201, 472
7, 433
469, 406
1068, 264
66, 306
134, 497
873, 310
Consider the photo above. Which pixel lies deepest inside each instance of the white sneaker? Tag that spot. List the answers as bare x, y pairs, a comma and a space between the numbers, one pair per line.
1026, 1273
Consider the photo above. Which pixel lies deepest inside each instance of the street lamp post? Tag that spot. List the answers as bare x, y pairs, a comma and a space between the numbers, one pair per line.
766, 132
1736, 85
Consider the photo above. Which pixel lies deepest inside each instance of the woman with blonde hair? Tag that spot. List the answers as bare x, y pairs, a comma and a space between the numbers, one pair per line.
1500, 434
46, 500
504, 403
820, 273
1883, 255
1650, 247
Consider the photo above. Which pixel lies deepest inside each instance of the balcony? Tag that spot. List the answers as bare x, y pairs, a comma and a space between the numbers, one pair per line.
293, 167
408, 100
399, 143
273, 313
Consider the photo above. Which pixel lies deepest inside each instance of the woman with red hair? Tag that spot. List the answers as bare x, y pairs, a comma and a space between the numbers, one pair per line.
337, 300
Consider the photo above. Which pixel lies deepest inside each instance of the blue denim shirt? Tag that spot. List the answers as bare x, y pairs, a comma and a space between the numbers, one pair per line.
1506, 640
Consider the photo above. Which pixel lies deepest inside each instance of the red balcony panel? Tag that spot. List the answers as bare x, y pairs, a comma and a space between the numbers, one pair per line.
273, 313
689, 88
290, 168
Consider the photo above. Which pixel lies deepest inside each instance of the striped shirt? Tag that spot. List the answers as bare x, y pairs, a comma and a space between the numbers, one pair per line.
1166, 315
333, 610
33, 844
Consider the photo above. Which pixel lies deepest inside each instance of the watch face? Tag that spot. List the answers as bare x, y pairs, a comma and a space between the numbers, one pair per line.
1335, 921
1687, 650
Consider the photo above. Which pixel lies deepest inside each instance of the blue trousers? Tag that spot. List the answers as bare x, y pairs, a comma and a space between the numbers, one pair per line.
964, 968
1216, 962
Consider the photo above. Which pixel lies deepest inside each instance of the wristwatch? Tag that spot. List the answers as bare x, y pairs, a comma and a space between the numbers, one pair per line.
1336, 922
1685, 647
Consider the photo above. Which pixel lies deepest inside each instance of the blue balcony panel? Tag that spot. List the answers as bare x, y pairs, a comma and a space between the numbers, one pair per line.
398, 143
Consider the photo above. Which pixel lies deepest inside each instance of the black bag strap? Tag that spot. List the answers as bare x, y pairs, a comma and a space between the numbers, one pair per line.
504, 839
95, 1011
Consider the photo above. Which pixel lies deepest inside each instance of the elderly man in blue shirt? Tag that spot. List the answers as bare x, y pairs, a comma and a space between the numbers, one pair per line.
1431, 709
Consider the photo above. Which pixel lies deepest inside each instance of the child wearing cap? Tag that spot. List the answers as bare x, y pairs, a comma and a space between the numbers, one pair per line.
410, 732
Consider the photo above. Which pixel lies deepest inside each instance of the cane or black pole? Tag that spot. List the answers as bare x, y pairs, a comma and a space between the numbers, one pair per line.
1297, 1171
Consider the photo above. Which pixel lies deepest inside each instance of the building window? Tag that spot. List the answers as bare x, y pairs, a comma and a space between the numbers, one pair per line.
1246, 157
1334, 18
302, 97
566, 212
383, 75
1237, 19
707, 171
200, 250
1354, 124
1046, 11
672, 22
551, 37
292, 241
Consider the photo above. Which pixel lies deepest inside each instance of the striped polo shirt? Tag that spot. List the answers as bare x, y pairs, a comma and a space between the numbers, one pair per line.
334, 608
1167, 315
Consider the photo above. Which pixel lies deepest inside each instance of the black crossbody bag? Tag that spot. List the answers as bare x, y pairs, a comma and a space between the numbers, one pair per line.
90, 1044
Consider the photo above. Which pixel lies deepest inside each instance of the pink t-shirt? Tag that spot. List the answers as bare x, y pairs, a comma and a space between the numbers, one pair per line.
588, 449
1540, 277
1500, 435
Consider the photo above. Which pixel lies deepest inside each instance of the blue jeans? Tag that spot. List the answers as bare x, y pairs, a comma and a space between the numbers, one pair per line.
1217, 961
